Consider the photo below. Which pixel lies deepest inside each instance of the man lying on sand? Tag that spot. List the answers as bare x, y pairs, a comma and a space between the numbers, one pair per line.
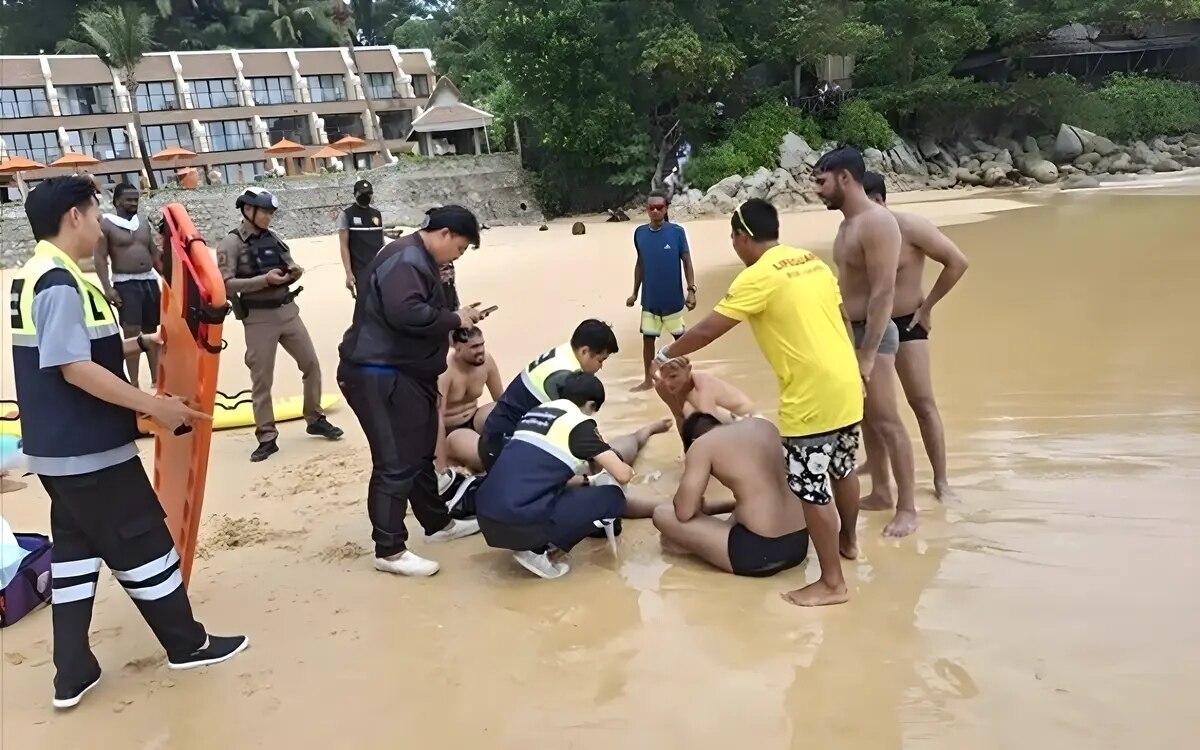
469, 368
686, 392
766, 533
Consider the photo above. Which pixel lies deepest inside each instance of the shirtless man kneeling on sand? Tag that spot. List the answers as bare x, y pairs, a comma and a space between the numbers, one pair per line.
469, 368
686, 391
766, 533
911, 310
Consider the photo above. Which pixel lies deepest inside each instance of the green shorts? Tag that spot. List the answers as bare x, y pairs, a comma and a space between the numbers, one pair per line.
654, 325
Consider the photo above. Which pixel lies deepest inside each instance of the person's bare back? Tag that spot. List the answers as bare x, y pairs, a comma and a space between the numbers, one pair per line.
745, 457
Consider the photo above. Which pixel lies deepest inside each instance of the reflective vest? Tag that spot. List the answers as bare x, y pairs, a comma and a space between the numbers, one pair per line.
528, 390
534, 467
59, 420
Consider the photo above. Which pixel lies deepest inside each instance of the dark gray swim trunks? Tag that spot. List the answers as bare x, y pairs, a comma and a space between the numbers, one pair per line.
890, 344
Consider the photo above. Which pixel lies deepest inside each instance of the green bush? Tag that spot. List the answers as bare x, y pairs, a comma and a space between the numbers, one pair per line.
714, 164
859, 125
937, 105
752, 143
1143, 107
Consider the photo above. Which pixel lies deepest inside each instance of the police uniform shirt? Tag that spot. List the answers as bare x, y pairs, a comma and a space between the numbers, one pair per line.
236, 266
365, 225
538, 383
47, 402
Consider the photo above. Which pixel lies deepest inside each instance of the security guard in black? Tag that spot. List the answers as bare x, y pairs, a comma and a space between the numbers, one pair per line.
360, 233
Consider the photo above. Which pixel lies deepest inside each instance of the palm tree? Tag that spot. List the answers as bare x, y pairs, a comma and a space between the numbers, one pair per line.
120, 36
342, 13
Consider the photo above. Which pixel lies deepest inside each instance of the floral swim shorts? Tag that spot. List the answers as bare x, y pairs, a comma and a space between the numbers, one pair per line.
814, 459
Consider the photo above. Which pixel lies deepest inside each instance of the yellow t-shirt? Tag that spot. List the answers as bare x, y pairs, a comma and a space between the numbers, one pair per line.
792, 301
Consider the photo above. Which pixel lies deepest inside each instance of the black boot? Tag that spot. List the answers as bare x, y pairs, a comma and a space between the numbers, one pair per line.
265, 450
321, 428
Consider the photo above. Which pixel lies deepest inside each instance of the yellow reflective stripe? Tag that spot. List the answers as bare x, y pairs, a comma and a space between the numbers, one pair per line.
98, 314
535, 379
548, 446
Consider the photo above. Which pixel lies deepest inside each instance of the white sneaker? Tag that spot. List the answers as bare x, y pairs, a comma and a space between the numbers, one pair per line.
602, 479
456, 530
445, 479
541, 565
408, 564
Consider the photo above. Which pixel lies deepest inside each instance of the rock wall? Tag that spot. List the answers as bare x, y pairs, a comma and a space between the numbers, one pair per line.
1075, 158
493, 186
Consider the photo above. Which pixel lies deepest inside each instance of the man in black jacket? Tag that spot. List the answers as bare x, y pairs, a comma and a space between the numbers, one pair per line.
391, 358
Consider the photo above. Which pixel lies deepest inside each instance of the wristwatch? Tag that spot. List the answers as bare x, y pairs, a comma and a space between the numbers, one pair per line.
141, 342
662, 358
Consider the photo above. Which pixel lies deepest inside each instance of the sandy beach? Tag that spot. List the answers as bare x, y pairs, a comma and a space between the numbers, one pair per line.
1055, 603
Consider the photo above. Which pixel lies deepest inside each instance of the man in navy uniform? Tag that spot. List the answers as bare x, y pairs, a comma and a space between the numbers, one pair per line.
79, 423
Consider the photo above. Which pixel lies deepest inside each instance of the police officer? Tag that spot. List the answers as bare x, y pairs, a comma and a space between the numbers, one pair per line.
391, 357
259, 271
360, 232
535, 496
79, 425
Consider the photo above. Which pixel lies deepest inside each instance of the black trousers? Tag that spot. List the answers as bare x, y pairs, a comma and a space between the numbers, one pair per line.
113, 516
399, 417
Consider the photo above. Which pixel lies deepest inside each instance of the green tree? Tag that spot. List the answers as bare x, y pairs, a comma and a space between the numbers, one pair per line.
120, 36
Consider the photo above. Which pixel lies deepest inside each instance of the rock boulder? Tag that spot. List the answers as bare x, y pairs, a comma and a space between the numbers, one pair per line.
795, 155
728, 187
1042, 170
1167, 165
1080, 181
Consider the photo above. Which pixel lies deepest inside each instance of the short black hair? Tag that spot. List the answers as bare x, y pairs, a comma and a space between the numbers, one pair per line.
658, 194
696, 426
582, 387
596, 335
873, 184
843, 158
121, 189
757, 218
53, 199
463, 335
457, 219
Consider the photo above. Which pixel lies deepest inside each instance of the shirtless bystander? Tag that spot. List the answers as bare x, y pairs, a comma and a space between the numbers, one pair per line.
133, 286
867, 253
911, 312
469, 369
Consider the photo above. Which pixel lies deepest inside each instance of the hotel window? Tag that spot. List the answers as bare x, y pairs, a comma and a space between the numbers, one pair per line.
159, 137
420, 84
381, 86
273, 90
337, 126
328, 88
86, 100
242, 172
210, 93
24, 103
156, 96
396, 124
294, 128
101, 143
42, 147
230, 135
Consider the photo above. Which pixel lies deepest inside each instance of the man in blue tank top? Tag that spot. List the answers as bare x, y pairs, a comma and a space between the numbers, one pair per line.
663, 261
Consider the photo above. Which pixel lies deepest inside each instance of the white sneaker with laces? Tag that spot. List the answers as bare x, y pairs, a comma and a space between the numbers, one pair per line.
407, 564
456, 530
445, 479
541, 565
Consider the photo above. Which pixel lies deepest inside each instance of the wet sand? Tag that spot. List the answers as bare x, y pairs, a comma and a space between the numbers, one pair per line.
1056, 603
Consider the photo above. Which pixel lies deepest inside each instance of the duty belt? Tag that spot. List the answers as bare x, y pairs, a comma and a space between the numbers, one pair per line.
271, 304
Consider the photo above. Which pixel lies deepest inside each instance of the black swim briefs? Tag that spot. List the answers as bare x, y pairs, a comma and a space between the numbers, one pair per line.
759, 556
917, 333
468, 424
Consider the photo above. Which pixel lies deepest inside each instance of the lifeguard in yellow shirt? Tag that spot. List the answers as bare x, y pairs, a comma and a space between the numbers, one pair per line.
790, 298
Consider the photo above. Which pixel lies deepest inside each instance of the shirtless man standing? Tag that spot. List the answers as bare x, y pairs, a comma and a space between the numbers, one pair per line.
468, 370
767, 533
686, 391
867, 253
134, 285
911, 314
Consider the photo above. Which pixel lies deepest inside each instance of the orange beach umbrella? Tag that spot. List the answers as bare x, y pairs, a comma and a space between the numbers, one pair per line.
349, 143
328, 152
172, 153
15, 164
284, 146
73, 159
